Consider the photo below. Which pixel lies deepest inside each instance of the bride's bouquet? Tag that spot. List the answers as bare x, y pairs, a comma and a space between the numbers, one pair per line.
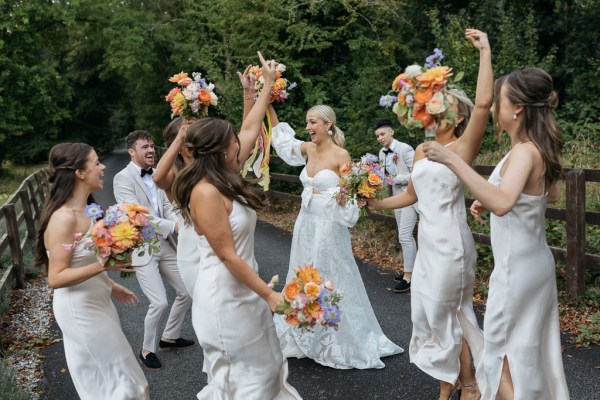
191, 97
419, 95
260, 157
309, 301
125, 228
360, 181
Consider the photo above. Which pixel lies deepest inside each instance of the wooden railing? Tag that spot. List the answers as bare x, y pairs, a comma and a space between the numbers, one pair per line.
18, 216
575, 215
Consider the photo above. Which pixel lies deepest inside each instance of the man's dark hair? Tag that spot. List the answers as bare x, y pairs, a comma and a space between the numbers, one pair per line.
383, 123
135, 136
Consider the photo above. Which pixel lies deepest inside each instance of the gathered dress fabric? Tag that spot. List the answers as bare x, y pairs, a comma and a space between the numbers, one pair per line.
321, 238
234, 325
188, 256
100, 359
443, 277
521, 321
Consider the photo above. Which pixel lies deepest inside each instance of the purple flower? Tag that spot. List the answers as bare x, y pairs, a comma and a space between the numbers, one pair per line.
325, 298
387, 100
434, 59
332, 315
292, 85
94, 211
370, 158
111, 218
148, 232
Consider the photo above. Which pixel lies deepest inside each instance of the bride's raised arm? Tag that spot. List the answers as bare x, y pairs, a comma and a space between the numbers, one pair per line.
290, 149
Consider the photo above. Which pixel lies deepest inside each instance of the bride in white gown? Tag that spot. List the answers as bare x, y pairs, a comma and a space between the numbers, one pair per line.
321, 238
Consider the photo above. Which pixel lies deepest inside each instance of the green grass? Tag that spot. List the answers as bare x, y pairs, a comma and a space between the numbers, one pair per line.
9, 390
12, 176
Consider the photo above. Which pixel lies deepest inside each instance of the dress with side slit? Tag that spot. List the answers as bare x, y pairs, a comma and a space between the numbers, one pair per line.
521, 322
443, 276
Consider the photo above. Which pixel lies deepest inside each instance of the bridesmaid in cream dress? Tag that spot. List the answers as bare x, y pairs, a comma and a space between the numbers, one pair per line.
444, 323
232, 306
100, 360
522, 353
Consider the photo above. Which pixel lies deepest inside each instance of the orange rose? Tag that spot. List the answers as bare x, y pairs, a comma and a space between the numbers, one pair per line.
204, 96
314, 310
291, 290
420, 114
374, 179
396, 84
176, 78
344, 169
292, 319
312, 290
308, 273
172, 94
184, 81
435, 75
423, 95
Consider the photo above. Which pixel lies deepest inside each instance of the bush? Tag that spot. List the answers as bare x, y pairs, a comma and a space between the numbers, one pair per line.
9, 390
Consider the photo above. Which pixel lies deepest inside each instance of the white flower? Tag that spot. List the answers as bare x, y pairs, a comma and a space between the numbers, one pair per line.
213, 99
192, 87
413, 71
190, 95
280, 68
210, 87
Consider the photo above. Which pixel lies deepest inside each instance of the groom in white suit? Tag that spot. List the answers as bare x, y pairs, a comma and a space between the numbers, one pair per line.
134, 184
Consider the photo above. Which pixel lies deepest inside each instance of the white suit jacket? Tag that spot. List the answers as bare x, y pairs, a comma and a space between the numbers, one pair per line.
129, 187
398, 164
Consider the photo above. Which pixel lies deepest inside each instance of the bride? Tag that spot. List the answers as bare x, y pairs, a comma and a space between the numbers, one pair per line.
321, 238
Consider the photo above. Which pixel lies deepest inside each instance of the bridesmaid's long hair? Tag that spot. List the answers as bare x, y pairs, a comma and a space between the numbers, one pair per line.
532, 88
64, 160
207, 140
326, 114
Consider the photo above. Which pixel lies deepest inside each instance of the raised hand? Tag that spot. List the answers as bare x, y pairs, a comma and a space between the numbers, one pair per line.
245, 80
478, 38
477, 210
268, 70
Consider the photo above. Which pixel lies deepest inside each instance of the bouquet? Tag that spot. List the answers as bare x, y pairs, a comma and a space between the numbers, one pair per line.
360, 181
191, 97
420, 95
125, 227
308, 301
259, 160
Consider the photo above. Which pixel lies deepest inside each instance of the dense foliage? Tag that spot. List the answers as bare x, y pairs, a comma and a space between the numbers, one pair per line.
87, 70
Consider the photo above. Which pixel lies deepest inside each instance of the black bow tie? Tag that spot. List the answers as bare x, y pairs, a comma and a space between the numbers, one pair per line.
388, 151
148, 171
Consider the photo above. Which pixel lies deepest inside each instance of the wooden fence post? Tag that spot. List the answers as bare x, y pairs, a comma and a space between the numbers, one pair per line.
575, 207
33, 197
27, 214
12, 228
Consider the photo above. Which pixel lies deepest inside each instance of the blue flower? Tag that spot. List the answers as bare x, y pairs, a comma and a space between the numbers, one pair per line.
387, 100
111, 218
332, 315
324, 298
293, 85
370, 158
148, 232
434, 59
94, 211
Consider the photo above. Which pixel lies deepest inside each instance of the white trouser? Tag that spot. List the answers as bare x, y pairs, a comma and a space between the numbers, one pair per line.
150, 278
406, 218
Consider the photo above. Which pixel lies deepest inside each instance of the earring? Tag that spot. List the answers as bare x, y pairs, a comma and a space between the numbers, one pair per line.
225, 154
514, 116
330, 132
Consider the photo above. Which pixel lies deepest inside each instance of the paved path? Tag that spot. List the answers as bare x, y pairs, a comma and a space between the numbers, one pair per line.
181, 376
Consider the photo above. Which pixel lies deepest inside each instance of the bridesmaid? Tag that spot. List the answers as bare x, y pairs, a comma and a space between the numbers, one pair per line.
522, 354
100, 360
232, 306
444, 324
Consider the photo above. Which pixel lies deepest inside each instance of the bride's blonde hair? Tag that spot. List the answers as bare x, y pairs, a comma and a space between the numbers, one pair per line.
326, 114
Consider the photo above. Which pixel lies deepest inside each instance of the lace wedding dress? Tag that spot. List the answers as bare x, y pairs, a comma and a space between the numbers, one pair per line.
100, 360
321, 238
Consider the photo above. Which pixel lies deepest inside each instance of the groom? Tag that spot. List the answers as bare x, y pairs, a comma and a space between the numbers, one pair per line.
134, 184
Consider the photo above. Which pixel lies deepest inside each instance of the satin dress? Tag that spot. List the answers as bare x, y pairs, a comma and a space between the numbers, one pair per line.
100, 359
443, 277
235, 327
321, 238
521, 321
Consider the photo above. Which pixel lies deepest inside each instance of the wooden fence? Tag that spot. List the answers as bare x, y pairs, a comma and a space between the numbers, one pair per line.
18, 216
575, 215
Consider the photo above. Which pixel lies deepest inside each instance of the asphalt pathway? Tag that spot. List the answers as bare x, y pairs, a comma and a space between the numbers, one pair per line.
181, 376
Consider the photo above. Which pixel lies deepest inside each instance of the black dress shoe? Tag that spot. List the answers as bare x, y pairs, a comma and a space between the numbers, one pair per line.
402, 287
400, 277
150, 361
180, 343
